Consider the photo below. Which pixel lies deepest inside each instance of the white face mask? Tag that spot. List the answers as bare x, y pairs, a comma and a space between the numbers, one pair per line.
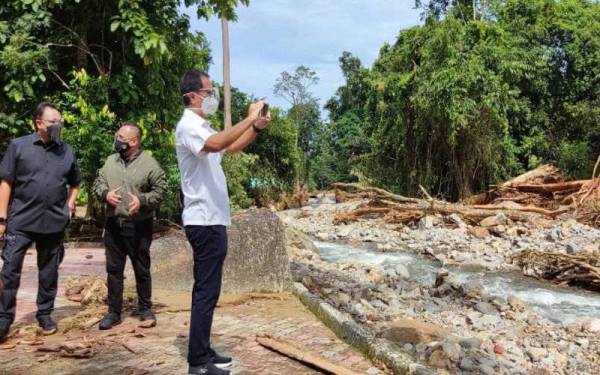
210, 104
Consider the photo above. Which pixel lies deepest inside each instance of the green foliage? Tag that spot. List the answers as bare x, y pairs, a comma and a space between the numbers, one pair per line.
341, 146
305, 113
238, 168
103, 62
90, 125
473, 96
208, 8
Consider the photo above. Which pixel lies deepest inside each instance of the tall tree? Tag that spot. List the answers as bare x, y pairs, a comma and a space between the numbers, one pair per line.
225, 10
104, 62
304, 111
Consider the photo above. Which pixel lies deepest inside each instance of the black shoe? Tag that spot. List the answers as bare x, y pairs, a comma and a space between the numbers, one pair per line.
4, 328
207, 369
219, 360
147, 316
110, 320
48, 325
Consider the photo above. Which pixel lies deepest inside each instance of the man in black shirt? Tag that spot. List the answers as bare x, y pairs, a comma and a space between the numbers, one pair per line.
39, 185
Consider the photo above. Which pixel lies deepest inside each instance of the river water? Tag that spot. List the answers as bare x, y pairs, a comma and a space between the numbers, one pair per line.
556, 303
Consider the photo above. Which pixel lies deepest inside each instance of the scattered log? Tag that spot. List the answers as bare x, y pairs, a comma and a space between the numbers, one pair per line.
475, 214
352, 188
403, 217
301, 354
582, 269
342, 196
345, 218
545, 173
538, 210
551, 188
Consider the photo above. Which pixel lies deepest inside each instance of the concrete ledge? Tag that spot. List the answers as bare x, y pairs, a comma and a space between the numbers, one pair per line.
344, 326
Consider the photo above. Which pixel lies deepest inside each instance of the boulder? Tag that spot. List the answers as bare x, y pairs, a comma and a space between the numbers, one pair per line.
479, 232
256, 261
409, 331
491, 221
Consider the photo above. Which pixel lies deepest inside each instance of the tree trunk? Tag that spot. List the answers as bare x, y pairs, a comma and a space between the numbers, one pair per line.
226, 72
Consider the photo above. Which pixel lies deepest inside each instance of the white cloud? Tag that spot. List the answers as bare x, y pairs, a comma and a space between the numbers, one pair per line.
271, 36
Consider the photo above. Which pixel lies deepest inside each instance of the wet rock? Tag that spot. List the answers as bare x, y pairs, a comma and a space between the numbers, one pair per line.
516, 303
396, 271
472, 289
440, 276
591, 325
470, 343
486, 308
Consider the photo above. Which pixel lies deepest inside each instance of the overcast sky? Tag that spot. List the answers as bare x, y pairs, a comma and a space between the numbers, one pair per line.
272, 36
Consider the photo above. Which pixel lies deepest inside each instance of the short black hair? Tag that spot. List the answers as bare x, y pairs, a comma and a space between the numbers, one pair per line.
191, 81
39, 111
133, 124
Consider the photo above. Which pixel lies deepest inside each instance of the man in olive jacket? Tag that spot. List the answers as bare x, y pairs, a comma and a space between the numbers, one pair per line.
132, 184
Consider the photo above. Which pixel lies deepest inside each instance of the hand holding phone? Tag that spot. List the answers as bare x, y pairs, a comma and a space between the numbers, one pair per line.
265, 110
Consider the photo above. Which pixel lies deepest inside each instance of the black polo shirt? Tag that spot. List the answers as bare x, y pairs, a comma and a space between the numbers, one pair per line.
40, 175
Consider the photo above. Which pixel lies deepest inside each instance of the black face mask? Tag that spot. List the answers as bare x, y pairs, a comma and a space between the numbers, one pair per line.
121, 147
54, 133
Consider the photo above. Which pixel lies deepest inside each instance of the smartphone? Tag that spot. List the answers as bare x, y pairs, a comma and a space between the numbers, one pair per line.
264, 111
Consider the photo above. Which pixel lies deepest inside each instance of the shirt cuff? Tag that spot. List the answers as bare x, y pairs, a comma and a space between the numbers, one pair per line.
6, 177
143, 200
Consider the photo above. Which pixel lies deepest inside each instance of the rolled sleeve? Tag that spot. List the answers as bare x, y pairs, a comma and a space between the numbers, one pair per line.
194, 138
8, 166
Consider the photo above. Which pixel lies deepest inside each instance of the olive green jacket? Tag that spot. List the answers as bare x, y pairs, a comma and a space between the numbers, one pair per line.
141, 176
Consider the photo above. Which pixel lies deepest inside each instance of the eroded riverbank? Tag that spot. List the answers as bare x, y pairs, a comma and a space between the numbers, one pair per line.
455, 318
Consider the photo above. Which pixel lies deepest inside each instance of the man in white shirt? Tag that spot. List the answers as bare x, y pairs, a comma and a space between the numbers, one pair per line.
206, 211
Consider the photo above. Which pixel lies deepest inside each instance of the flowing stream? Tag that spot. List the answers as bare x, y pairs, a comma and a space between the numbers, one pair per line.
558, 304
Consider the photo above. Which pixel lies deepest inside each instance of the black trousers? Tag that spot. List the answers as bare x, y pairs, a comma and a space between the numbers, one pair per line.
50, 253
209, 244
123, 239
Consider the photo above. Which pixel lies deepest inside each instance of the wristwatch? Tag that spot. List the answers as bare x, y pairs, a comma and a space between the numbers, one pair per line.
256, 128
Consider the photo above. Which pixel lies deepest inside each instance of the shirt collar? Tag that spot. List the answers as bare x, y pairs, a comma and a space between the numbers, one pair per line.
196, 117
37, 140
132, 157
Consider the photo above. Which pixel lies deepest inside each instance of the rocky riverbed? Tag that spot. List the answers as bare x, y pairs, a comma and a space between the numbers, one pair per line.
449, 323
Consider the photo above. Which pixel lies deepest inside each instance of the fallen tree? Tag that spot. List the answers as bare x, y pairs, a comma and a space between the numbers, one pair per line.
384, 202
541, 192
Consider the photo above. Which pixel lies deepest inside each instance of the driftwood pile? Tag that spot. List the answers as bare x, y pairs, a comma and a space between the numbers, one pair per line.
582, 269
538, 194
541, 192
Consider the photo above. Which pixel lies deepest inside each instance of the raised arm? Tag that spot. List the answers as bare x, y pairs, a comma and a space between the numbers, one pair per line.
223, 139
